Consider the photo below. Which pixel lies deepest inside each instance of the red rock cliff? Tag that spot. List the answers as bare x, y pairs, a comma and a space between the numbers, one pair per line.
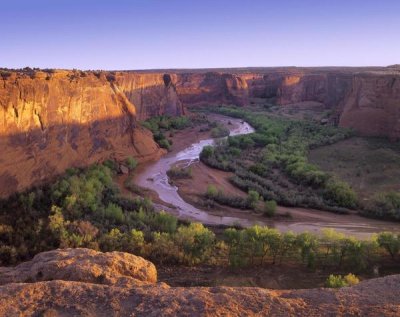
365, 99
51, 121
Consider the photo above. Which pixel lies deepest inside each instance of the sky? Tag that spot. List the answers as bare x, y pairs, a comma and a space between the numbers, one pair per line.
151, 34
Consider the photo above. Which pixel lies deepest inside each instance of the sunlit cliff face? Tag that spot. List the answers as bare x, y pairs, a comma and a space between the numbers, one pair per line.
291, 80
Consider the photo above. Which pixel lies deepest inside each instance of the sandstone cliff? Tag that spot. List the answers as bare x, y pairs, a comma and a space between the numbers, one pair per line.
38, 288
55, 120
367, 100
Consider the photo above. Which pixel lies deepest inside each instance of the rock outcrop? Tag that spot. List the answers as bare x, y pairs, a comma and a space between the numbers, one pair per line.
365, 99
82, 265
51, 121
80, 292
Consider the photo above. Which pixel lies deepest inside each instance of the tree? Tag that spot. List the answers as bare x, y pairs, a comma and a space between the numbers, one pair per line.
212, 191
270, 208
390, 242
131, 163
195, 241
252, 199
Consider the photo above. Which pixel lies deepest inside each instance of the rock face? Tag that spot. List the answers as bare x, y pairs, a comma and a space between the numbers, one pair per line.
59, 119
365, 99
79, 292
82, 265
373, 105
55, 120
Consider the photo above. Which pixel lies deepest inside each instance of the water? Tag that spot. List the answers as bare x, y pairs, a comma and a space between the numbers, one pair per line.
155, 177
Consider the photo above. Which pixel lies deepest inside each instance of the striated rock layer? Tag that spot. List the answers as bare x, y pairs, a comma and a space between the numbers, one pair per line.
81, 290
365, 99
54, 120
51, 121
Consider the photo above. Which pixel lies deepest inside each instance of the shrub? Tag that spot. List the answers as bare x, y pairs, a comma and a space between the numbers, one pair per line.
341, 194
180, 172
114, 213
212, 191
164, 143
270, 208
337, 281
219, 132
252, 198
131, 163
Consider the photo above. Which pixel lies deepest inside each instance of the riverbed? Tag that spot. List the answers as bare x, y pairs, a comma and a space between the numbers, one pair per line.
154, 176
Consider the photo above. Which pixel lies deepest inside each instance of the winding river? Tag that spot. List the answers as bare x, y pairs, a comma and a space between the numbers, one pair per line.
154, 176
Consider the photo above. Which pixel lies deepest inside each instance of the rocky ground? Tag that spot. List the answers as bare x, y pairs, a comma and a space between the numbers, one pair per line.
82, 282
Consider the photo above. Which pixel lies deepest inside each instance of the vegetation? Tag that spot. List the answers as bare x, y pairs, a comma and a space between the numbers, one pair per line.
179, 172
131, 163
270, 208
84, 209
384, 205
219, 131
337, 281
273, 161
159, 125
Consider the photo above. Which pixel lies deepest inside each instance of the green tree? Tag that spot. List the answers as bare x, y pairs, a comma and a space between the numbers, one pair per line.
270, 208
252, 199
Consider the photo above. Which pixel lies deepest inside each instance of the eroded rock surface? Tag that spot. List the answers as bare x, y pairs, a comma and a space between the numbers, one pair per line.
83, 265
70, 286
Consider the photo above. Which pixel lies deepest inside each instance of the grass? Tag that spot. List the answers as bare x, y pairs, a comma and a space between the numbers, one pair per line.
369, 165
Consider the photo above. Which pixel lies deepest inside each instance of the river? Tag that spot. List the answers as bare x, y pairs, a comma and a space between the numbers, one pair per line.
154, 177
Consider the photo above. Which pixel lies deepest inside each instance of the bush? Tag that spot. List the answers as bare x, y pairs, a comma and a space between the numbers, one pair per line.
384, 205
114, 213
341, 194
212, 191
252, 198
219, 132
337, 281
270, 208
131, 163
164, 143
179, 172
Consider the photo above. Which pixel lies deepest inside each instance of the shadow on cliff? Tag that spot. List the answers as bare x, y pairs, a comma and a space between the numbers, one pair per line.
36, 156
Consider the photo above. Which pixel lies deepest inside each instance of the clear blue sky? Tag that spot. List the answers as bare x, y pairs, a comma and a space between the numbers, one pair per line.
142, 34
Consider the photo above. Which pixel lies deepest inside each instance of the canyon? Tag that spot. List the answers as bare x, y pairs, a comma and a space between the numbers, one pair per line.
56, 119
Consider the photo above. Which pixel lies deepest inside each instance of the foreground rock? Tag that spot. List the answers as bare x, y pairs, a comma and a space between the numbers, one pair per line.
76, 291
83, 265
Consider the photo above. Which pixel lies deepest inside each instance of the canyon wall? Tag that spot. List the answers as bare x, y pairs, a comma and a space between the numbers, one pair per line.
51, 121
367, 100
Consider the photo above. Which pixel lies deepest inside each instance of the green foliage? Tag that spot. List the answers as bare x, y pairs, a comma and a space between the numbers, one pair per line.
270, 208
207, 152
160, 124
114, 213
163, 222
195, 241
179, 172
219, 131
384, 205
212, 191
273, 161
390, 242
337, 281
165, 144
341, 194
252, 199
131, 163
